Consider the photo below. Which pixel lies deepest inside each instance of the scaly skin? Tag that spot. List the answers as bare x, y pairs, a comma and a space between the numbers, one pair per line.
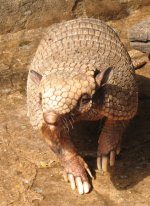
81, 71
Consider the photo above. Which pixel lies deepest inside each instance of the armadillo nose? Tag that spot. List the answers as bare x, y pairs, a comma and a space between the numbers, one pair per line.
50, 117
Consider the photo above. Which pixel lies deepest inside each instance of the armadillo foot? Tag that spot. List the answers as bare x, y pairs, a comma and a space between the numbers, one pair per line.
109, 143
104, 161
76, 173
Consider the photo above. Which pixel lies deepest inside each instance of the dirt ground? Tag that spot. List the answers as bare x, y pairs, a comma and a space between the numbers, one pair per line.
29, 174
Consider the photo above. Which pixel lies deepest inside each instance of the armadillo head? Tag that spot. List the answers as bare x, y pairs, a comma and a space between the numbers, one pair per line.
61, 95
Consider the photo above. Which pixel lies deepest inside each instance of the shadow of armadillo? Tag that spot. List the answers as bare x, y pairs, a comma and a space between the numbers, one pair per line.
133, 164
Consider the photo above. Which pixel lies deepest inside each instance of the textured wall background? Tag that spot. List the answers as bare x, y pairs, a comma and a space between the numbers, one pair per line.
22, 23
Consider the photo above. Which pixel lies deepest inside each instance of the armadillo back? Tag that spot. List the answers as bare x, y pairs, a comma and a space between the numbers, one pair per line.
85, 43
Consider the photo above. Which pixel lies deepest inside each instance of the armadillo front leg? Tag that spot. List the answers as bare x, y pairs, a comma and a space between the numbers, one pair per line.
109, 143
75, 167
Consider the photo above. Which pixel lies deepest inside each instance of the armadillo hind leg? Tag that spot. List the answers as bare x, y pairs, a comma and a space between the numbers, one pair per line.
109, 143
75, 169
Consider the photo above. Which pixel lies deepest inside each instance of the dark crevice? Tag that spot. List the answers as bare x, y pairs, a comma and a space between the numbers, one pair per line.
142, 41
76, 4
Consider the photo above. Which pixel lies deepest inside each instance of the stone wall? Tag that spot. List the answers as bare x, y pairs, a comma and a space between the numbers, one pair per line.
22, 23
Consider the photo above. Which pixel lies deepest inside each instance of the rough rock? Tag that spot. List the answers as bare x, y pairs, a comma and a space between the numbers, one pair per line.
139, 36
30, 14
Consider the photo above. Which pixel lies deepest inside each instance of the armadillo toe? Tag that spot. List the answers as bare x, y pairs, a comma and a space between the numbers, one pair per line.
104, 161
76, 173
109, 143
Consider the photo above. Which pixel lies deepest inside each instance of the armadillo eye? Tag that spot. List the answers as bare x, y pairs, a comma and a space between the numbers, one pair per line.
40, 98
85, 98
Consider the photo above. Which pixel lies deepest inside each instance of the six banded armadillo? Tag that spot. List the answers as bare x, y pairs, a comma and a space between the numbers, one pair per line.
81, 71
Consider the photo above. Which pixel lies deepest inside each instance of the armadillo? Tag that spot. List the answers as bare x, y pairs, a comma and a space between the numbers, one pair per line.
81, 71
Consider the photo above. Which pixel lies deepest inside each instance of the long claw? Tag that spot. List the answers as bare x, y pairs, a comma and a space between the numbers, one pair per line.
89, 172
86, 187
105, 163
99, 163
79, 185
72, 181
112, 158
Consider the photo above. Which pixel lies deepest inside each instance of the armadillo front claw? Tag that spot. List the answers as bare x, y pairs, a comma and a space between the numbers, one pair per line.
76, 173
89, 172
104, 161
82, 186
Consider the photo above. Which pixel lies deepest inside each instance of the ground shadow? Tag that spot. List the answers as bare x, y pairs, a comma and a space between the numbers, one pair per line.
133, 164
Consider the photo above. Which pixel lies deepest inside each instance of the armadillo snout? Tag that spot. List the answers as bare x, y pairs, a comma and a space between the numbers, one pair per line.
50, 117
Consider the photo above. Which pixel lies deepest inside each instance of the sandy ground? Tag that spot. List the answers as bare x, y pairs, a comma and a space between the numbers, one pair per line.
29, 174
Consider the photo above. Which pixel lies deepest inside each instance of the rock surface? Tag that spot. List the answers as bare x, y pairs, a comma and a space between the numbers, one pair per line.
139, 36
30, 14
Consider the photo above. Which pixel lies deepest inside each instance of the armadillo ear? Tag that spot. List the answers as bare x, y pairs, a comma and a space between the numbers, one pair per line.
35, 77
103, 77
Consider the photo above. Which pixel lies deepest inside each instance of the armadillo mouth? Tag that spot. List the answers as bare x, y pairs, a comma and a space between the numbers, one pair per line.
60, 122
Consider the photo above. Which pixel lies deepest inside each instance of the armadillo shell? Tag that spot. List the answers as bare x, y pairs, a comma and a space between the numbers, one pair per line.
85, 44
